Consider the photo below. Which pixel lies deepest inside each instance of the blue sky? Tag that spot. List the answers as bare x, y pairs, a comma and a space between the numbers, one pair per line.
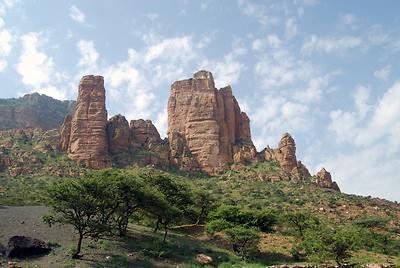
325, 71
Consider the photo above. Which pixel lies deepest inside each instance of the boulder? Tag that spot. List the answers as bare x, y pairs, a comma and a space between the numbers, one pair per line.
24, 246
203, 259
3, 249
205, 124
88, 140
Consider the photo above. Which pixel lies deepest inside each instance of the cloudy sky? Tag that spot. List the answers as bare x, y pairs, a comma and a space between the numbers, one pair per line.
325, 71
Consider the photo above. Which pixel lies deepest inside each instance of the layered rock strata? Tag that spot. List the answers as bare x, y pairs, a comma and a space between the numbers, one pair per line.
88, 142
206, 127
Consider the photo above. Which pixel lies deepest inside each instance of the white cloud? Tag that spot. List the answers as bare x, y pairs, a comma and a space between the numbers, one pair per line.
3, 65
5, 42
171, 49
329, 45
290, 28
348, 19
384, 123
384, 73
52, 91
226, 71
278, 67
152, 16
34, 66
77, 15
161, 123
370, 171
89, 54
258, 12
275, 115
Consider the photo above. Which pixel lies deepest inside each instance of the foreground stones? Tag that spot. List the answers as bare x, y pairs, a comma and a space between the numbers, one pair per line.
203, 259
24, 246
207, 132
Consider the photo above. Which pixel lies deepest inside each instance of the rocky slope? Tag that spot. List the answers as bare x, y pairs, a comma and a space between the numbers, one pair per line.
33, 111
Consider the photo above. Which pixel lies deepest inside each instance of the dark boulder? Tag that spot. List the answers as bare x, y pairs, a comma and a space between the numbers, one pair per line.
24, 246
2, 250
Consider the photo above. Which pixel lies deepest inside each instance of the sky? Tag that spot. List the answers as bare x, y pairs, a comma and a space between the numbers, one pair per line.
325, 71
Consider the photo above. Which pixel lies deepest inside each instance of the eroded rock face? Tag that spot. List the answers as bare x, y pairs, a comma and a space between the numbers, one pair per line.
324, 180
119, 135
88, 139
148, 144
144, 132
65, 133
205, 124
286, 153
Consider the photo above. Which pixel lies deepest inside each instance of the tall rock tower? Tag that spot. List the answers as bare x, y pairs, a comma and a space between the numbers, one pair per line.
206, 128
87, 139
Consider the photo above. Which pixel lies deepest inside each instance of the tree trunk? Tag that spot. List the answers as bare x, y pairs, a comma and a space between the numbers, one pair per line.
79, 246
157, 225
165, 231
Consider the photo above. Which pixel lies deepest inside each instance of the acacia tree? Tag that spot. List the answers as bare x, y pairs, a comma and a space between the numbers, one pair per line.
87, 204
327, 242
172, 204
301, 221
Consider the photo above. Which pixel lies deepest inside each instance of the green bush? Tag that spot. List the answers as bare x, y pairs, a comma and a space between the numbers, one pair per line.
372, 222
244, 240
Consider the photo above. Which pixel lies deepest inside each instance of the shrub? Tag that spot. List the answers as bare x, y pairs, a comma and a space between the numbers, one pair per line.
244, 240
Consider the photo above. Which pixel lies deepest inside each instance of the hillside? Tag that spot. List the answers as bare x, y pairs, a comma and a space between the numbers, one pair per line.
242, 187
33, 111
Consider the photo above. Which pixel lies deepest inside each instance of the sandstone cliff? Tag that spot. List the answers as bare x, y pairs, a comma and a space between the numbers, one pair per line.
206, 127
33, 111
88, 142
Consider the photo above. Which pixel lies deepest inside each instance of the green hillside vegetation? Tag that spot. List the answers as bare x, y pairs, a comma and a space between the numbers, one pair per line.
165, 218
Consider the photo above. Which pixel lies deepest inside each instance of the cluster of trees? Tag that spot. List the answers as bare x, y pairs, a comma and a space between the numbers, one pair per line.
103, 203
242, 226
323, 241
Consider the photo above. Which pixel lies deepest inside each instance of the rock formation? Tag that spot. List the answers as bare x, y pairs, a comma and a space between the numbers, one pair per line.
206, 126
285, 155
144, 132
88, 143
148, 143
33, 111
324, 180
119, 134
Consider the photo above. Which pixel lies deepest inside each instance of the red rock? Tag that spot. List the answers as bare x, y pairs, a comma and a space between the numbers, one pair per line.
144, 132
286, 153
324, 180
119, 135
88, 141
65, 133
205, 124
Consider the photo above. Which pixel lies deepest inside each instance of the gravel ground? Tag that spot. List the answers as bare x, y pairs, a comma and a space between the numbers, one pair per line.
28, 221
